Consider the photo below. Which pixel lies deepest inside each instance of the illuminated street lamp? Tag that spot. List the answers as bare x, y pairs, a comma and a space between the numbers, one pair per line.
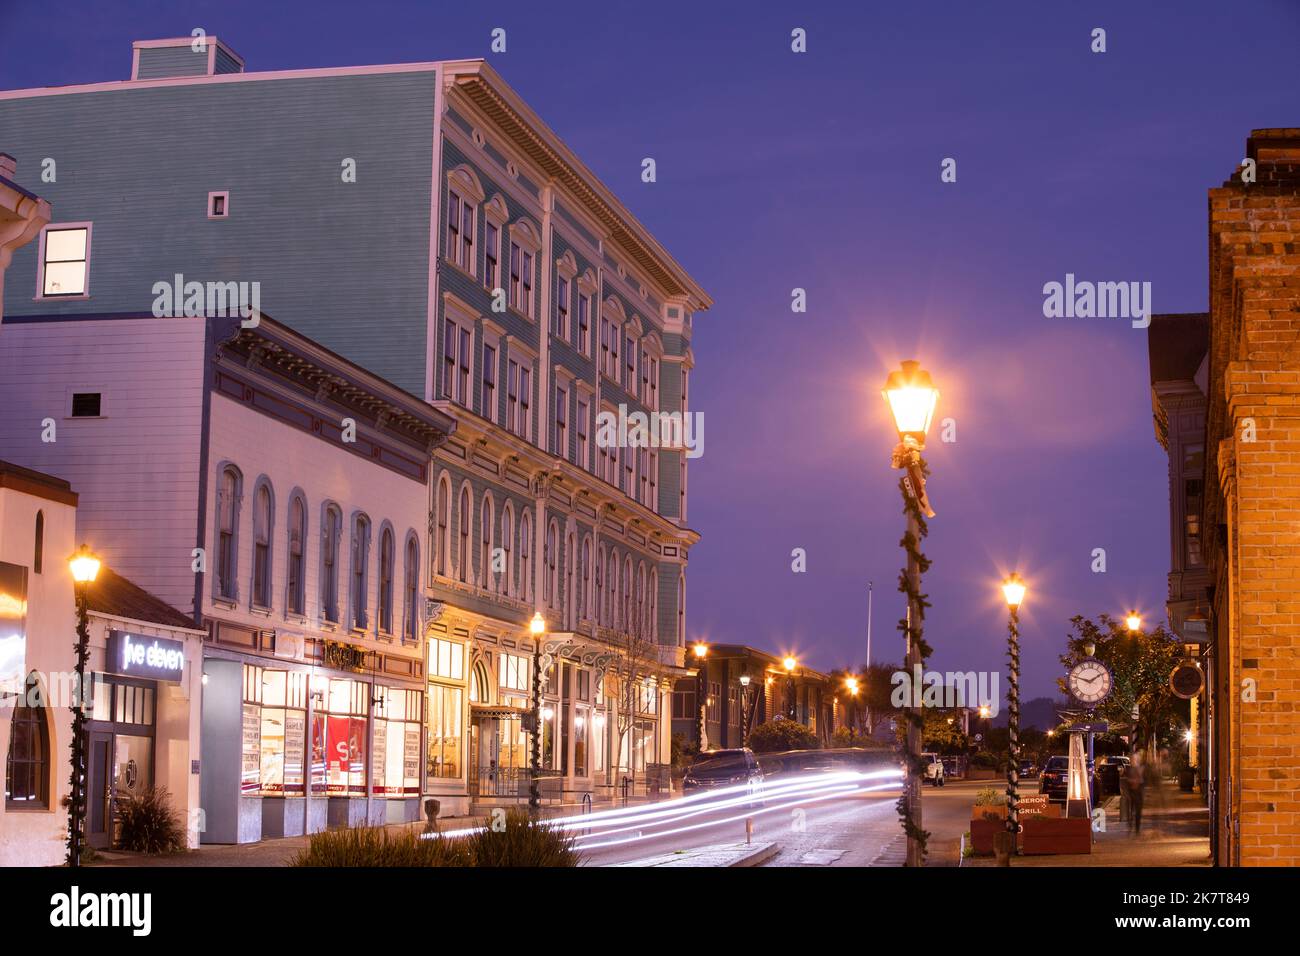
536, 627
1013, 590
912, 398
84, 566
701, 693
790, 664
1134, 622
744, 709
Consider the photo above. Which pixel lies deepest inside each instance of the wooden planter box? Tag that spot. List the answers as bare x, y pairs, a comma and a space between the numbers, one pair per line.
980, 810
982, 833
1040, 836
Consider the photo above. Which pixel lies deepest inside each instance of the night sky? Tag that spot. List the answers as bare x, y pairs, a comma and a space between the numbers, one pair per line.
821, 170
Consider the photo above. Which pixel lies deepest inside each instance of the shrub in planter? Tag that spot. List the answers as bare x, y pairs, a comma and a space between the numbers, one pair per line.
777, 735
147, 823
376, 846
990, 804
522, 842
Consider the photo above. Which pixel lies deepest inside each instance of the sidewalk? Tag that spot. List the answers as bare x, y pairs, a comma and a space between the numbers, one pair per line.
1175, 832
727, 854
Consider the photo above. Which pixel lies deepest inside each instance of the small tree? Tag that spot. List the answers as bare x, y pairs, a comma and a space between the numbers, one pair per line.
777, 735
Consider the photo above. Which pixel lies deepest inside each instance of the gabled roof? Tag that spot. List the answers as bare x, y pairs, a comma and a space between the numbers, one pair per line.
36, 483
115, 596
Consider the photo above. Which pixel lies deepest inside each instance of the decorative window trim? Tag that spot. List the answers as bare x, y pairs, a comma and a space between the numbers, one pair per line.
359, 557
467, 180
487, 506
391, 631
218, 501
40, 261
328, 506
263, 481
224, 196
411, 577
465, 532
297, 494
509, 529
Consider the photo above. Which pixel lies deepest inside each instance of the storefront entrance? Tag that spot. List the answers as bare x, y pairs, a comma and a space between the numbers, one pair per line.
120, 742
498, 752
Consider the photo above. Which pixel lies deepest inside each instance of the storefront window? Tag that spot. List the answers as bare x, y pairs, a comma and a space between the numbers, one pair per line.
580, 742
445, 735
599, 741
396, 753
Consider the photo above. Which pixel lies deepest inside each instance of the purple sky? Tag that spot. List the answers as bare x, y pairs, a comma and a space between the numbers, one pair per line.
821, 170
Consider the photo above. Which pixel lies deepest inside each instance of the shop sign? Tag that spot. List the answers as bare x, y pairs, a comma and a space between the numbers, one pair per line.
139, 655
289, 645
344, 657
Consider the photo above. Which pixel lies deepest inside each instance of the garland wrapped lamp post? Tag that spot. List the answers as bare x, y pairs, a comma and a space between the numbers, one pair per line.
536, 627
1013, 589
912, 398
701, 691
85, 568
790, 664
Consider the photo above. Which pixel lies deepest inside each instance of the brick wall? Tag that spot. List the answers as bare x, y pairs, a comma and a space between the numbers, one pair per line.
1254, 520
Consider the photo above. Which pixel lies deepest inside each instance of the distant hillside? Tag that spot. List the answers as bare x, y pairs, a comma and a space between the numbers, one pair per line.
1039, 713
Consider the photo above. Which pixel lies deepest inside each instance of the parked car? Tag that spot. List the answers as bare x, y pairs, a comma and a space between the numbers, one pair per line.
715, 769
1054, 780
934, 773
1110, 771
1027, 770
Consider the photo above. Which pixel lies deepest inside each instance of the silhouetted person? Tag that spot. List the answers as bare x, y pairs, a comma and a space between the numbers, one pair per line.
1134, 781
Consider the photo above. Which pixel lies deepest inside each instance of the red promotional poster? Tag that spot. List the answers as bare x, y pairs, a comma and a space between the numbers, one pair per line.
337, 757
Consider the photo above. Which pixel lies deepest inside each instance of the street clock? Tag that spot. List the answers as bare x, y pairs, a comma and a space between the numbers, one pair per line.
1090, 682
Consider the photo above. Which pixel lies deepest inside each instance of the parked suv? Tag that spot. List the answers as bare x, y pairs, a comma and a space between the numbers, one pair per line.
934, 774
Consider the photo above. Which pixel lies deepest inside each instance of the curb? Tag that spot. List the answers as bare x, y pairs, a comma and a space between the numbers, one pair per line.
759, 856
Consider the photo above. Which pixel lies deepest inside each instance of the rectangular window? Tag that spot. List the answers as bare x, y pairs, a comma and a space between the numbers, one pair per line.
489, 383
584, 323
448, 357
514, 672
581, 426
526, 278
86, 404
561, 422
446, 659
492, 240
525, 391
562, 309
467, 237
444, 731
65, 260
629, 372
515, 256
512, 397
463, 381
653, 379
454, 206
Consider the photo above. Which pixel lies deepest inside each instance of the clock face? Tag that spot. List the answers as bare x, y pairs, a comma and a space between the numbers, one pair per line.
1089, 681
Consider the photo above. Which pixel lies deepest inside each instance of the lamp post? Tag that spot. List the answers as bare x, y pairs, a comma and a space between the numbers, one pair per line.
536, 627
912, 397
1133, 620
701, 694
744, 709
85, 568
1013, 589
790, 664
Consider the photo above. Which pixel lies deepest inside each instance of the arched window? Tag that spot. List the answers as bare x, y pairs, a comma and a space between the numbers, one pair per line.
681, 610
463, 517
525, 551
262, 511
628, 622
442, 546
360, 591
584, 587
296, 591
27, 767
507, 547
570, 560
549, 579
480, 689
410, 607
229, 490
387, 558
598, 592
38, 554
642, 624
611, 589
654, 606
486, 577
330, 533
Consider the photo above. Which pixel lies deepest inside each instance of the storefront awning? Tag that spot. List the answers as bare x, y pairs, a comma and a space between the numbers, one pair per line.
496, 710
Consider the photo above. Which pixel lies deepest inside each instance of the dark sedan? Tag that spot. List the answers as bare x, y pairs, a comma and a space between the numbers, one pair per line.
1110, 771
1054, 780
715, 769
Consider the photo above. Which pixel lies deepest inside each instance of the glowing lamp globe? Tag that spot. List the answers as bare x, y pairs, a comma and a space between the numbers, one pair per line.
912, 398
1013, 589
84, 565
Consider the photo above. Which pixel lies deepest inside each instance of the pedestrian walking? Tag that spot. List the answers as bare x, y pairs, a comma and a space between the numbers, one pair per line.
1134, 782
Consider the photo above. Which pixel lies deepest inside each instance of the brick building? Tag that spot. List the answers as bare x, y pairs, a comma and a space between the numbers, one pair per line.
1251, 507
